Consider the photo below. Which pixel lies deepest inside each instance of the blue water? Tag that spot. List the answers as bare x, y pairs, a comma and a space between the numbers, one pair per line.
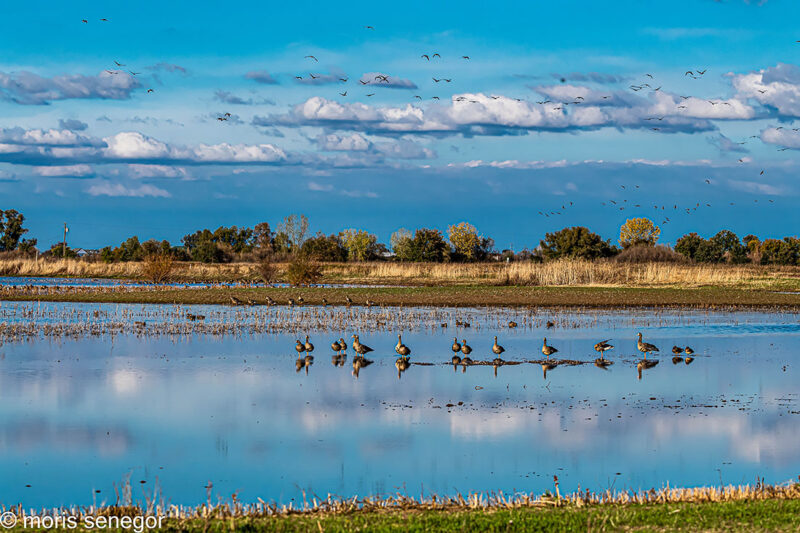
177, 412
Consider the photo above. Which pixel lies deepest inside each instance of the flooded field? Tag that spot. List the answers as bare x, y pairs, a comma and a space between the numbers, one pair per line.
180, 396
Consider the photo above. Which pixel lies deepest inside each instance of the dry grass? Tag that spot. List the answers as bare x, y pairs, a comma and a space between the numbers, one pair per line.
552, 274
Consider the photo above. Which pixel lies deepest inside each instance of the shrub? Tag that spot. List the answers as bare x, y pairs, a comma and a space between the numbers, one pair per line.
428, 245
158, 267
689, 244
324, 248
303, 271
643, 253
266, 270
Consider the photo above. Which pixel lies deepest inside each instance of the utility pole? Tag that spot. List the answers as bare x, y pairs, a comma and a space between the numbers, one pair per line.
64, 246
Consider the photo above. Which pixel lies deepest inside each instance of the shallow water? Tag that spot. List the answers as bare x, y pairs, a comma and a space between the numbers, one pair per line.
178, 411
39, 281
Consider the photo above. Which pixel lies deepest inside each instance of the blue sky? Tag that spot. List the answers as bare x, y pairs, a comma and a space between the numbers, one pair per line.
564, 102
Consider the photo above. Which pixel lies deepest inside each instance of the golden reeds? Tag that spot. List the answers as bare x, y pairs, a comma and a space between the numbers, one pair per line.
552, 273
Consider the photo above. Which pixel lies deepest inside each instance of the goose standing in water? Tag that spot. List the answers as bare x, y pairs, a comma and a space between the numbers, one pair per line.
401, 349
645, 347
359, 348
309, 347
496, 348
688, 351
300, 347
336, 347
466, 349
348, 300
235, 300
548, 350
677, 350
602, 347
456, 347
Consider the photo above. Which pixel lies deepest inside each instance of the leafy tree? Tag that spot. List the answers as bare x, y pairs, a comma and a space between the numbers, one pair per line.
361, 245
11, 231
57, 250
689, 244
467, 244
781, 252
262, 238
295, 228
428, 245
638, 231
732, 249
324, 248
239, 240
281, 243
400, 242
575, 242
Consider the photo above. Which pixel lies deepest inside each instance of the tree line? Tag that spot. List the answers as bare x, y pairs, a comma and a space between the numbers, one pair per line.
638, 241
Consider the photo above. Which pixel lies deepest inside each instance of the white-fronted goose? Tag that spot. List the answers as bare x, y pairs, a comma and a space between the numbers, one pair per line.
401, 348
496, 348
466, 349
456, 346
645, 347
309, 346
548, 350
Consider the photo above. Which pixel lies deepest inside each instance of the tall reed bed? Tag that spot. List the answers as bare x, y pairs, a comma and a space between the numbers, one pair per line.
552, 273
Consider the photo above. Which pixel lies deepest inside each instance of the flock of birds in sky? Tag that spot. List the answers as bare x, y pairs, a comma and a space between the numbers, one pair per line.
462, 351
660, 211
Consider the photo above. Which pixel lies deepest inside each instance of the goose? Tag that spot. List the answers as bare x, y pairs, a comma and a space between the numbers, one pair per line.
548, 350
465, 348
359, 348
235, 300
342, 345
401, 348
300, 300
370, 303
677, 349
348, 300
300, 347
603, 347
550, 324
324, 301
688, 351
270, 301
645, 347
456, 347
309, 346
496, 348
291, 301
512, 324
336, 347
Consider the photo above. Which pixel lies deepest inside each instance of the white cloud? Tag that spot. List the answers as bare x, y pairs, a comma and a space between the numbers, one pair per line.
118, 189
156, 171
72, 171
28, 88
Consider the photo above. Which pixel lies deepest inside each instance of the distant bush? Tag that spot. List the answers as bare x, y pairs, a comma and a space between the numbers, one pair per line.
158, 267
723, 247
324, 248
643, 253
780, 252
638, 231
303, 271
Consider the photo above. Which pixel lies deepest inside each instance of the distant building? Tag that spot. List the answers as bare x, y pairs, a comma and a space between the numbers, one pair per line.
82, 252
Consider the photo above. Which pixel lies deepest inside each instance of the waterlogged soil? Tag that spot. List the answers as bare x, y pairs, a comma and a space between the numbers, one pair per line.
467, 296
92, 393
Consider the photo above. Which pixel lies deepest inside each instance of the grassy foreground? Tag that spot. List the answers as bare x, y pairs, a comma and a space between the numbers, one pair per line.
596, 297
728, 516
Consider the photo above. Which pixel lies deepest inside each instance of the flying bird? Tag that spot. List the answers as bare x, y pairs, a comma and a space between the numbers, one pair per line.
117, 63
436, 55
312, 57
371, 94
426, 56
85, 21
464, 57
344, 93
369, 27
149, 90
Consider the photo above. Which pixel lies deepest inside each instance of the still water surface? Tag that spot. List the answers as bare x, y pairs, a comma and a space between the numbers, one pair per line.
77, 415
